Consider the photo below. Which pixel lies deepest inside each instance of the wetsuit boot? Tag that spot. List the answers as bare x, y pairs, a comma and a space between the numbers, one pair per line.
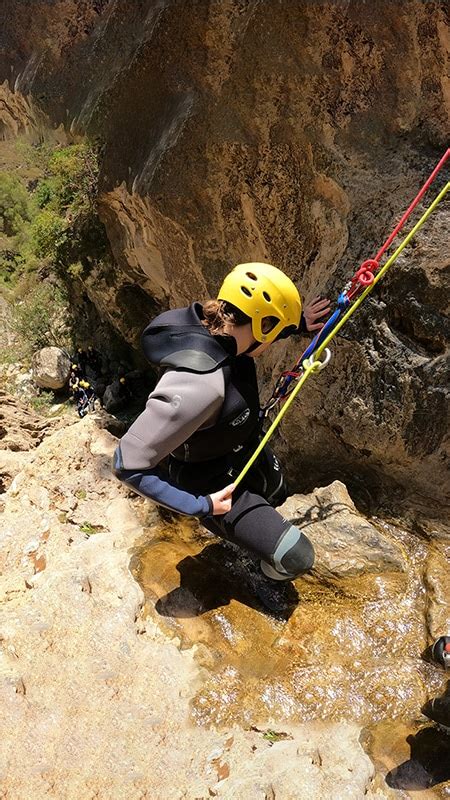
277, 596
438, 710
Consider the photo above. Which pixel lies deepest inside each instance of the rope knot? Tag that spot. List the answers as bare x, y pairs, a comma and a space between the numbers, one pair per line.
364, 276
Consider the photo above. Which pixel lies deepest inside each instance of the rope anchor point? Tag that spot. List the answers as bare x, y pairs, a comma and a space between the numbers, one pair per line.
317, 366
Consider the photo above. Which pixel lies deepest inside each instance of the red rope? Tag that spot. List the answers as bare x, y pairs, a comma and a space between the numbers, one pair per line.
365, 274
412, 206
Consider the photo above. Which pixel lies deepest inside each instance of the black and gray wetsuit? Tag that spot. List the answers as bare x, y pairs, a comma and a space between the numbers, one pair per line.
200, 425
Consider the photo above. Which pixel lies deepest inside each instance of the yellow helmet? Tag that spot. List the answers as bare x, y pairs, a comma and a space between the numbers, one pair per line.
262, 291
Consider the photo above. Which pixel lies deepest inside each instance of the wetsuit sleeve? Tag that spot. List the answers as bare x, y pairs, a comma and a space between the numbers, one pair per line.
302, 329
291, 330
181, 403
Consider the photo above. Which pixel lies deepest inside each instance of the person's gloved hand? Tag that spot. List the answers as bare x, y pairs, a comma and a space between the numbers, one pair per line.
315, 311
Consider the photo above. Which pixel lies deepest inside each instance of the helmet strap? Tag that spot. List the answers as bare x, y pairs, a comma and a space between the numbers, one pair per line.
252, 347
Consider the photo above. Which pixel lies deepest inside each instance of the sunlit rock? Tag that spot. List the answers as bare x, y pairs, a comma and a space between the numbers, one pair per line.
51, 368
345, 542
437, 581
298, 138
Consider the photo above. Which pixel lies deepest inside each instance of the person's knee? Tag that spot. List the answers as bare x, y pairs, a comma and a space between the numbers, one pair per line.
294, 553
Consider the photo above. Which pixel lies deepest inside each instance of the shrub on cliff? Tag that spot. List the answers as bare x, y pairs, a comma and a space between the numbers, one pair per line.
66, 228
52, 237
48, 234
40, 318
55, 222
70, 178
14, 204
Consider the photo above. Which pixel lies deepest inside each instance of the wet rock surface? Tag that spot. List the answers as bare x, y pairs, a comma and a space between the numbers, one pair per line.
96, 689
437, 582
186, 662
298, 138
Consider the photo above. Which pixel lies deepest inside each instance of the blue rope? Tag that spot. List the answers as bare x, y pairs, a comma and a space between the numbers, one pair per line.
342, 303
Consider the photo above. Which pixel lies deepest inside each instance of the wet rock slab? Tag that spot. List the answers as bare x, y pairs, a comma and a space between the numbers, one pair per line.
349, 650
103, 704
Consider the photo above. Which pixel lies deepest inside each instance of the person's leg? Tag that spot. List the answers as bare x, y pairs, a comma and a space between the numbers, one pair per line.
284, 550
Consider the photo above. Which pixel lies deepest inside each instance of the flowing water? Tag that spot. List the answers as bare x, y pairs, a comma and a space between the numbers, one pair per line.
351, 649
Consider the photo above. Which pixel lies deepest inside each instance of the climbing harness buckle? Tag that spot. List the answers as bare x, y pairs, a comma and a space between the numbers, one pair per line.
317, 366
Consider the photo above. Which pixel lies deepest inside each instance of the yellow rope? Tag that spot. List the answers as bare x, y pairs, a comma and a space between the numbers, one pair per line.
313, 364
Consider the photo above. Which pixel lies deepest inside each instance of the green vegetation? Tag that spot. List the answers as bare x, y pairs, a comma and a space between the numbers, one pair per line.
274, 736
43, 401
271, 735
14, 204
90, 529
37, 317
50, 237
56, 222
48, 234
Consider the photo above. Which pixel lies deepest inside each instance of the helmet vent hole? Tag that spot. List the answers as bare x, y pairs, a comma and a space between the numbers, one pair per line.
267, 297
246, 291
252, 276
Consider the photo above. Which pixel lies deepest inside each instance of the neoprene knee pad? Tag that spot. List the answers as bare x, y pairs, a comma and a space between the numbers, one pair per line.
294, 553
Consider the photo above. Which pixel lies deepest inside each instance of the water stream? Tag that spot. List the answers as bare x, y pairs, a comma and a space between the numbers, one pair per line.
350, 650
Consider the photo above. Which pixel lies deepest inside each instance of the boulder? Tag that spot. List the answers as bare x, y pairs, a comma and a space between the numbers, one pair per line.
51, 368
113, 399
345, 543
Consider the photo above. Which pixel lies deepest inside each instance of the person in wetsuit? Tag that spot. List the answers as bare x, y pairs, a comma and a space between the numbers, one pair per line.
84, 397
201, 422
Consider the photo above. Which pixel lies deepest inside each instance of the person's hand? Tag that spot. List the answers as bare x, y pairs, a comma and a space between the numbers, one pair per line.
314, 311
222, 500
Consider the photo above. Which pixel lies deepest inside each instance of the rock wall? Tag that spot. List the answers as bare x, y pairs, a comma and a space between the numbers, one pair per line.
289, 132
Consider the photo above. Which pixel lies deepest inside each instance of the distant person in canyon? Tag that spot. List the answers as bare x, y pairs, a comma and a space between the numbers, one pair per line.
84, 397
202, 422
